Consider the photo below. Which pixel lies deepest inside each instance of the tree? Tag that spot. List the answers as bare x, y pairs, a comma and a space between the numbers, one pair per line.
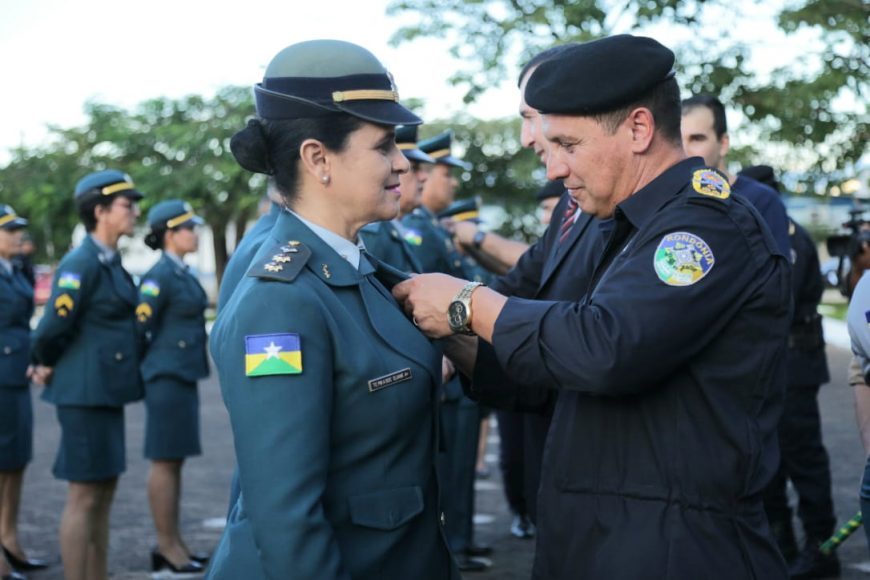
171, 148
811, 110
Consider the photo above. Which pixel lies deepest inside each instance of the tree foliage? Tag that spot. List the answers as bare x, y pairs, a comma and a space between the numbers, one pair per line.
173, 148
812, 107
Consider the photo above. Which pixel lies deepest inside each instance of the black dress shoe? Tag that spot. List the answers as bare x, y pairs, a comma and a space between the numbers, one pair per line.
522, 527
14, 576
811, 563
466, 564
201, 557
160, 562
25, 564
476, 550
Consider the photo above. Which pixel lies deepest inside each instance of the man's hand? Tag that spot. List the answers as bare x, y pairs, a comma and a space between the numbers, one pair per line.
40, 374
426, 297
464, 232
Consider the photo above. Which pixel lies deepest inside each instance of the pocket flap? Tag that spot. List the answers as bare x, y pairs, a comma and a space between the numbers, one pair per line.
388, 509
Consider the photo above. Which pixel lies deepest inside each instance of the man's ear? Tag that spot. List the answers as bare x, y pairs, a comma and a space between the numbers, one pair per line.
642, 127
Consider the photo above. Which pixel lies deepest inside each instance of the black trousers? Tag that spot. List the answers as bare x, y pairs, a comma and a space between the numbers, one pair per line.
804, 461
511, 459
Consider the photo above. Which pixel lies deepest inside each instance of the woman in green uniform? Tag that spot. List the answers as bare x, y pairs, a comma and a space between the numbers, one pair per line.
329, 387
88, 336
171, 315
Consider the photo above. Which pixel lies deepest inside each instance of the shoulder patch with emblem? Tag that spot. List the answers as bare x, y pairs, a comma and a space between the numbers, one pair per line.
150, 287
682, 259
273, 354
69, 280
711, 183
63, 305
282, 262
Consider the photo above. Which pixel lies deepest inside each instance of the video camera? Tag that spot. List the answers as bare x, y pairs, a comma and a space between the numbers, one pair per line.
846, 247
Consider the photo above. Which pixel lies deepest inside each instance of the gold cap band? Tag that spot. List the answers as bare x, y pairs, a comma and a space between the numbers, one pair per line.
116, 187
177, 221
364, 95
439, 153
466, 215
7, 218
406, 146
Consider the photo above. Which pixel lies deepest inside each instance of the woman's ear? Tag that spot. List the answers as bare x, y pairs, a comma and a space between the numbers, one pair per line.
315, 159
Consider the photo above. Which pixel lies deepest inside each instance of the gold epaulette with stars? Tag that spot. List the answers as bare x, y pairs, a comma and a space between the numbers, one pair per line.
282, 262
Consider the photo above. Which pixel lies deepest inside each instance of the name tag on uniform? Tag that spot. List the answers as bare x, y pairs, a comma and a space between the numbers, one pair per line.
389, 380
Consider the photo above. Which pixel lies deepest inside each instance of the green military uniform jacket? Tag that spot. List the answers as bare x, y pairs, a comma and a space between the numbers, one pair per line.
171, 315
16, 308
331, 396
88, 332
384, 241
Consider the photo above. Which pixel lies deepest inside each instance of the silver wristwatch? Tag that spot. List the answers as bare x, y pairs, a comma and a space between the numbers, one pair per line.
459, 311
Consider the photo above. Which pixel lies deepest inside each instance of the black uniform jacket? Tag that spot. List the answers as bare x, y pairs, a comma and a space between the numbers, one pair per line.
670, 376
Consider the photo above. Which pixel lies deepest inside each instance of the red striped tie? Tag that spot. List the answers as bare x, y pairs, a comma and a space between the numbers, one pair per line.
568, 221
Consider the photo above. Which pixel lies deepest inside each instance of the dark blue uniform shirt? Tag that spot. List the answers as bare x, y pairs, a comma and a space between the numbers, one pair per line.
768, 203
670, 377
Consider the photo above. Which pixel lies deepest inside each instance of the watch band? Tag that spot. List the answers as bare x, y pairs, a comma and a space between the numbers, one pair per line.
464, 296
478, 238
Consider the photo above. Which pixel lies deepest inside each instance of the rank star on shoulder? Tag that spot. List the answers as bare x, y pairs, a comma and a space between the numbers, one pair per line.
272, 350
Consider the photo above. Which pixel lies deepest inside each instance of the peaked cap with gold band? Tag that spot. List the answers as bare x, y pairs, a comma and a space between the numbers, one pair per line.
105, 183
406, 139
318, 78
9, 220
438, 147
463, 210
172, 213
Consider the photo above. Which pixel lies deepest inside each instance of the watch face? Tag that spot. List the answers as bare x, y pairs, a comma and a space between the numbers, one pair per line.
456, 315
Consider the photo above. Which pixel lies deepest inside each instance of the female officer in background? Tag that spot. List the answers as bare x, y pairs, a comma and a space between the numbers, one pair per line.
171, 315
329, 387
16, 408
88, 338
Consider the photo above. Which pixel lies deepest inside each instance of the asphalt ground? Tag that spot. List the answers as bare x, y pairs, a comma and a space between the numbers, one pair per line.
206, 483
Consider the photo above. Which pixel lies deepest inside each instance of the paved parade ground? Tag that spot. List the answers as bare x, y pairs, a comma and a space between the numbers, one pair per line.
206, 482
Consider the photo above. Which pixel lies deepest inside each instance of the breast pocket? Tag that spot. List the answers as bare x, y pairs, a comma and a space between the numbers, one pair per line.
118, 365
387, 509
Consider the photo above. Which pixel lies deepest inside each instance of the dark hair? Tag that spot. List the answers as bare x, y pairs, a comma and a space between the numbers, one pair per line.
155, 238
272, 146
86, 210
663, 101
545, 55
720, 125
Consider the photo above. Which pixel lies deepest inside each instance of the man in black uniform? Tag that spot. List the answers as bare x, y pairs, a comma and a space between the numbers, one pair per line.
669, 370
804, 460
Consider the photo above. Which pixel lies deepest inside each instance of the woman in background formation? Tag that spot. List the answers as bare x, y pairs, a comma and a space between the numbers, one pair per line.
16, 408
171, 315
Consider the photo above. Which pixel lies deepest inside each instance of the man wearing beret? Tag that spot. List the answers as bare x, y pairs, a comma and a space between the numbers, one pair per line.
669, 370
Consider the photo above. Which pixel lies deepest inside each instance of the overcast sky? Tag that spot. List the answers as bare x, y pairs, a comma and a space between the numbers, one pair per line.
57, 54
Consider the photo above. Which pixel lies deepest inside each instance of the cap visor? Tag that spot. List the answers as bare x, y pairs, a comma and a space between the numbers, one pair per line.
454, 162
417, 155
132, 194
380, 112
16, 224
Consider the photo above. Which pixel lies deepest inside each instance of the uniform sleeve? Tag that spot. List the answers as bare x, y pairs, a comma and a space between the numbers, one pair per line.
153, 297
492, 387
637, 329
72, 283
858, 320
524, 278
281, 428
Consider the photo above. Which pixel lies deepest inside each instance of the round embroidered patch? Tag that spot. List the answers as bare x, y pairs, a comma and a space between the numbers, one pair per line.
682, 259
711, 182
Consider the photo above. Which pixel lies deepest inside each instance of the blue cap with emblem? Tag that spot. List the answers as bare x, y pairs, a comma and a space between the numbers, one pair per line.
9, 220
463, 210
438, 147
172, 213
105, 183
318, 78
406, 139
599, 76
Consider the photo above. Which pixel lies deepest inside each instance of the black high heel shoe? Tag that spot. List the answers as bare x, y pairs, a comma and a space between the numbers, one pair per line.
26, 564
159, 562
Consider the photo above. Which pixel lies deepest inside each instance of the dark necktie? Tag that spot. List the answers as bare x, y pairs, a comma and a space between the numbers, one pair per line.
568, 220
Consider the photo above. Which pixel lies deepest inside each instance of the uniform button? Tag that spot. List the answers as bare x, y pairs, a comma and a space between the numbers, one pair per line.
118, 356
7, 350
457, 263
182, 344
442, 518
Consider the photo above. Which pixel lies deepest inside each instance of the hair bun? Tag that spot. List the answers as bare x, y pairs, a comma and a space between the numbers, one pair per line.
154, 239
251, 148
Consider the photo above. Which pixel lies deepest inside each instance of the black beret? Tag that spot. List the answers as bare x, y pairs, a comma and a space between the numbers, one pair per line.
599, 76
553, 188
762, 173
